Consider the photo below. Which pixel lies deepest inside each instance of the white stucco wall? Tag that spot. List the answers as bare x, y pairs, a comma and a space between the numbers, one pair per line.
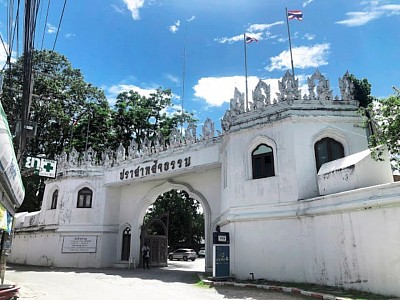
307, 131
335, 240
354, 171
45, 249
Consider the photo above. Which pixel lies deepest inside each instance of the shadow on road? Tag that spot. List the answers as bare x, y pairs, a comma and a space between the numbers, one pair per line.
172, 273
113, 280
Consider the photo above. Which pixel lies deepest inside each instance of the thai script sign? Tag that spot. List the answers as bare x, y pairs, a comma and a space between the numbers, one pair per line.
79, 244
154, 168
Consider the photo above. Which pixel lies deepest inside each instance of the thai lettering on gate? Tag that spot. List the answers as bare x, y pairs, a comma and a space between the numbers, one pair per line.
154, 168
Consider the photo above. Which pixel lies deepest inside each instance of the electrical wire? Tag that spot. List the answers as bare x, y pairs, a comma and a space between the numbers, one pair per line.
45, 23
15, 29
59, 24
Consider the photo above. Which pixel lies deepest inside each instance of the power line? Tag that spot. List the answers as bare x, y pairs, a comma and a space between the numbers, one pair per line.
59, 24
15, 29
30, 17
45, 23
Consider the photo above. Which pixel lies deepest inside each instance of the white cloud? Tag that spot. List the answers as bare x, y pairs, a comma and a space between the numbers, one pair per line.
113, 91
230, 40
51, 28
258, 31
3, 55
70, 35
309, 36
263, 27
191, 19
134, 6
239, 38
307, 2
391, 9
303, 57
118, 9
359, 18
219, 90
175, 27
372, 12
172, 78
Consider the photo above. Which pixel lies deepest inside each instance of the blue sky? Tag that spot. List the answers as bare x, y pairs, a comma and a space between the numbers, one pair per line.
139, 44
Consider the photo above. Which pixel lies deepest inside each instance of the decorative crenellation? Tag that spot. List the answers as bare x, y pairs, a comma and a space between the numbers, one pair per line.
288, 89
146, 148
346, 87
318, 91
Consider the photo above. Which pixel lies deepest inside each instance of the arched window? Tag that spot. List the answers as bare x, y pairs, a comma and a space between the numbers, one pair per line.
54, 200
84, 198
327, 150
263, 162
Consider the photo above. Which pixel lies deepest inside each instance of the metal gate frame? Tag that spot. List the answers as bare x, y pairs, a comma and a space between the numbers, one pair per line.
158, 243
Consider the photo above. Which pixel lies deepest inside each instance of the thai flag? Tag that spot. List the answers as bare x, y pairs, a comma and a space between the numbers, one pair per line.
295, 14
250, 39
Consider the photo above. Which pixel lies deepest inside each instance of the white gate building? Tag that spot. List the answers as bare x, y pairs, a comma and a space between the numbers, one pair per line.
290, 178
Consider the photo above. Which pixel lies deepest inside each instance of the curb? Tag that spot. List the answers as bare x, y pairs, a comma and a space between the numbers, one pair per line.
276, 288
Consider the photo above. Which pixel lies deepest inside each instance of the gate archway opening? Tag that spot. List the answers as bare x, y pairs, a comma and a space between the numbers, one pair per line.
176, 218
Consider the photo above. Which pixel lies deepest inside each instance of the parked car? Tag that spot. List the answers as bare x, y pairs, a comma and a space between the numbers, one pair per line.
183, 253
202, 252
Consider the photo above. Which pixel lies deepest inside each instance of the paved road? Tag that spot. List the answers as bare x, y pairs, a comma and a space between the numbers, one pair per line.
175, 282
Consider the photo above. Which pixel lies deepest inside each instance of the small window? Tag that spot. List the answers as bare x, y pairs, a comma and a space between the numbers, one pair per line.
54, 200
85, 198
263, 162
327, 150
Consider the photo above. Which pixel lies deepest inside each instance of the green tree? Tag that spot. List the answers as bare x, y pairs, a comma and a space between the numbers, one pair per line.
362, 91
70, 112
138, 117
186, 220
385, 118
59, 96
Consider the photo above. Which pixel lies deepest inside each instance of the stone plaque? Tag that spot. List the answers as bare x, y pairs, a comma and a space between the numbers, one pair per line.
79, 244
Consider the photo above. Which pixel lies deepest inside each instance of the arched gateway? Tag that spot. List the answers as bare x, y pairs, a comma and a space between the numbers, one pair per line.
290, 178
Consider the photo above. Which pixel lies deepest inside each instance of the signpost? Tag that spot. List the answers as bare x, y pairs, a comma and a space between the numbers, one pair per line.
221, 254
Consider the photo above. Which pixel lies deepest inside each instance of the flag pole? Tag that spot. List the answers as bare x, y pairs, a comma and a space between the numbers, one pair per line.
290, 43
245, 69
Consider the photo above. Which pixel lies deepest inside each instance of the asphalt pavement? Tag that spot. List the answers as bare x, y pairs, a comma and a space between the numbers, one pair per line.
178, 281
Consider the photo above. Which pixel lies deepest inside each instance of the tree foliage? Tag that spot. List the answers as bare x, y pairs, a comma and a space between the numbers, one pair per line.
70, 112
362, 91
140, 117
385, 118
186, 221
59, 95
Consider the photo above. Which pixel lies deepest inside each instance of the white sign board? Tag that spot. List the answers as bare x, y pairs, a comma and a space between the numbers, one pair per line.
43, 167
48, 168
79, 244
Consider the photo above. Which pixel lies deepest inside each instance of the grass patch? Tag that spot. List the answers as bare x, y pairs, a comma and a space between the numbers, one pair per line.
201, 284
